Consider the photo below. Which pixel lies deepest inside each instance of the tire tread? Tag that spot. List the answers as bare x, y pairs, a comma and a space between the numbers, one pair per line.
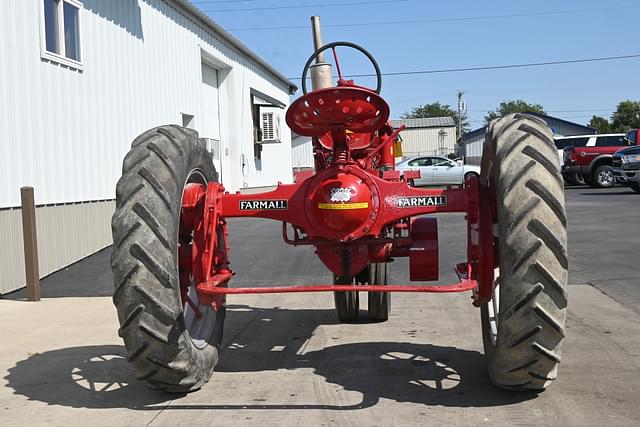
520, 158
144, 260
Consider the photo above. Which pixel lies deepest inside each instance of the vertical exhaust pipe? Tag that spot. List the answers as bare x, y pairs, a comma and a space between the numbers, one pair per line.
321, 72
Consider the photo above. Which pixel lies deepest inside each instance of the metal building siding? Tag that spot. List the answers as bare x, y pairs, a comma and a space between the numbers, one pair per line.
65, 132
66, 233
11, 251
567, 129
418, 141
424, 122
302, 152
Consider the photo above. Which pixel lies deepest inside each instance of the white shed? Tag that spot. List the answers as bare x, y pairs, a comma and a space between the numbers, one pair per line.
80, 79
432, 135
301, 152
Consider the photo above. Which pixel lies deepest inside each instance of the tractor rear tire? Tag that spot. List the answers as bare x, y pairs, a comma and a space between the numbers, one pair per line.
523, 351
379, 303
145, 261
347, 302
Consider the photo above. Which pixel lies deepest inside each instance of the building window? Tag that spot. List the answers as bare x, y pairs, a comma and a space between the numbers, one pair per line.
188, 121
269, 124
61, 31
51, 26
268, 129
267, 116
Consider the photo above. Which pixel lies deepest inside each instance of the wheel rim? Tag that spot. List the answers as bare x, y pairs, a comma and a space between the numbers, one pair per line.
605, 177
200, 319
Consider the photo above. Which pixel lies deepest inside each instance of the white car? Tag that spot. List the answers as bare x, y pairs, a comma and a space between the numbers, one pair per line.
436, 170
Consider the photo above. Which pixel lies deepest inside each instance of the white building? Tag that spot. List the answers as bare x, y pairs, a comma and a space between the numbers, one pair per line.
80, 79
301, 152
432, 135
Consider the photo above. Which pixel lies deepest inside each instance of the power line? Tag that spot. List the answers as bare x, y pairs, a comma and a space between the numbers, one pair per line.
561, 111
223, 1
357, 3
435, 20
496, 67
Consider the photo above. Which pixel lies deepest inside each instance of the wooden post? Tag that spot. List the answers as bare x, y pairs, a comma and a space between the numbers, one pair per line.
29, 237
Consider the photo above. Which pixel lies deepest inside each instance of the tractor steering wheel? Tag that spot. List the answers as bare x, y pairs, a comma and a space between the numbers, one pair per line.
333, 46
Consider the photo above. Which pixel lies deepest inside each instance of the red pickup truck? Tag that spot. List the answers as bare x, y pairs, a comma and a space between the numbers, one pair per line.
591, 157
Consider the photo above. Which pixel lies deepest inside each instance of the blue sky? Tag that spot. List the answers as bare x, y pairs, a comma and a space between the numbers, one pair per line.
465, 33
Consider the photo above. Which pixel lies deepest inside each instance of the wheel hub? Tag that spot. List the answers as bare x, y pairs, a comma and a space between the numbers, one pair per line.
193, 240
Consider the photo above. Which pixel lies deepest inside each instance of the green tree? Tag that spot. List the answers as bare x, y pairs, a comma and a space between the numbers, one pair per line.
601, 124
513, 106
436, 109
626, 116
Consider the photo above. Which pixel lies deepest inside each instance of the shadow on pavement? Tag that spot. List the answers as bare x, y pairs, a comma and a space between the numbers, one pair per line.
610, 193
101, 377
89, 277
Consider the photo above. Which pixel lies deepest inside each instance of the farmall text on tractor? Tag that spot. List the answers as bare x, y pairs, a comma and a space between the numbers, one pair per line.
172, 270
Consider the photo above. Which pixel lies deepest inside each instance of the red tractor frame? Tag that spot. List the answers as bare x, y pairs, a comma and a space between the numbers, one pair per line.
172, 270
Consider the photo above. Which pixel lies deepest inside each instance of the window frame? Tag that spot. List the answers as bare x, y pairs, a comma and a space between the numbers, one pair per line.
571, 142
276, 123
259, 104
61, 58
611, 141
420, 159
444, 162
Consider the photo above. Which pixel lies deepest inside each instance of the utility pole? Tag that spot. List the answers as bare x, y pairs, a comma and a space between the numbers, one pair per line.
462, 109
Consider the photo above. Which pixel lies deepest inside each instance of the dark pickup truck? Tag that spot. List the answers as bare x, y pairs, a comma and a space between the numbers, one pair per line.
626, 163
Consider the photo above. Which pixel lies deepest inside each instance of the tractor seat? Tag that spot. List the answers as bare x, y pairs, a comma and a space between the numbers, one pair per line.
354, 109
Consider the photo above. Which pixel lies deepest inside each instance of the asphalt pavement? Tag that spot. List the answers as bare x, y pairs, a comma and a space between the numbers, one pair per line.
604, 247
286, 361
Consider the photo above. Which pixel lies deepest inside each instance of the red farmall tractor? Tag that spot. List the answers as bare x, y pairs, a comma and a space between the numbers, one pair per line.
172, 269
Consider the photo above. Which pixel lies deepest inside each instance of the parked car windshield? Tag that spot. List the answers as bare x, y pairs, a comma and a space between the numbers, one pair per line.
632, 136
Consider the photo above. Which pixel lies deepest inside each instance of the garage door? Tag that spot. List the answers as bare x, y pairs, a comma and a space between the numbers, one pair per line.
210, 123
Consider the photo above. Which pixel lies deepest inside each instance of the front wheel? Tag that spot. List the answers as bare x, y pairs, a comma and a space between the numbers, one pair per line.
603, 177
575, 179
468, 176
524, 324
347, 302
635, 186
379, 303
171, 338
